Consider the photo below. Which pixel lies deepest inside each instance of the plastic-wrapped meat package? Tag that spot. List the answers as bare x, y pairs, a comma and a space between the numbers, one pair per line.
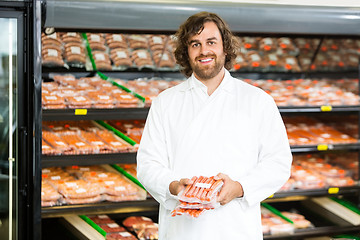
118, 144
142, 58
249, 43
307, 179
52, 50
65, 80
157, 42
75, 54
101, 99
79, 144
101, 219
111, 227
298, 219
198, 197
116, 41
136, 41
144, 227
95, 140
57, 142
49, 195
79, 191
240, 62
275, 225
163, 59
93, 81
129, 168
273, 61
255, 61
267, 44
67, 37
114, 186
96, 41
78, 102
47, 149
121, 57
102, 60
124, 99
120, 236
287, 46
290, 63
52, 101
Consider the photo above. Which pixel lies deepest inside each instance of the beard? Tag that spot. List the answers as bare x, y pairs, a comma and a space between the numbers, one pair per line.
208, 71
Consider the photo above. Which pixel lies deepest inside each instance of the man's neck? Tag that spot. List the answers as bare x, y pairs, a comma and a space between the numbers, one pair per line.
214, 82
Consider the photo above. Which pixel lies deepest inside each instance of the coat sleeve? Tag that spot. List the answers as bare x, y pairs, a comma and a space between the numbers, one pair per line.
152, 158
273, 167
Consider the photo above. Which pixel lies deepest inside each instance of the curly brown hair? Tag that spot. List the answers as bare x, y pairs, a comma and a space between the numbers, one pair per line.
194, 25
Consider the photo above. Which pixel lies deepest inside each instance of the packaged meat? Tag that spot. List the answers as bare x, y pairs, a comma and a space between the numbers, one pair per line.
57, 142
120, 236
73, 37
116, 41
137, 41
76, 189
111, 227
133, 221
101, 219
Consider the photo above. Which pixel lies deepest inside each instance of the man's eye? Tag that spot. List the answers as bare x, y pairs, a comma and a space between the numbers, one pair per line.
195, 45
211, 43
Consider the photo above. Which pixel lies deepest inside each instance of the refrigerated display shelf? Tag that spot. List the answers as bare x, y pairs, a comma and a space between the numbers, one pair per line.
149, 205
325, 147
141, 113
329, 191
319, 231
94, 114
86, 159
113, 158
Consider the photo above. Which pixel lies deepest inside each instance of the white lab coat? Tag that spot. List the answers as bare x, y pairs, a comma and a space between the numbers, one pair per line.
238, 131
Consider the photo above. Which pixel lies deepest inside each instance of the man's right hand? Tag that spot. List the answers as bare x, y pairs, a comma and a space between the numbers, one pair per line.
177, 186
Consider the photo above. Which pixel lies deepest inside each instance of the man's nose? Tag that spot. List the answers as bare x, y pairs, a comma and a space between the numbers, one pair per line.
204, 50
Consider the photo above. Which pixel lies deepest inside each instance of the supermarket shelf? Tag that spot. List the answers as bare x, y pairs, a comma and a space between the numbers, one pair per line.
94, 114
86, 159
324, 147
134, 16
330, 191
319, 231
324, 108
149, 205
141, 113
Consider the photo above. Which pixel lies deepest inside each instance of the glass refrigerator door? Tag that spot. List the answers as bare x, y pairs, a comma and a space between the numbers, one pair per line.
8, 127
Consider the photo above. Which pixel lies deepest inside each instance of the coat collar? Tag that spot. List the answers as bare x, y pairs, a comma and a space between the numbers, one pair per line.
226, 84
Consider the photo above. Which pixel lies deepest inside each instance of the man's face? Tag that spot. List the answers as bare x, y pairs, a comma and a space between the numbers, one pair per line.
206, 52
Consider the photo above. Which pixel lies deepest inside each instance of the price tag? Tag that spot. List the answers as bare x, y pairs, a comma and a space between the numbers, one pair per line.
326, 108
333, 190
322, 147
80, 111
271, 196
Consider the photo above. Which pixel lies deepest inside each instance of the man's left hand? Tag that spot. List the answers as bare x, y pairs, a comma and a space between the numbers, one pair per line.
230, 190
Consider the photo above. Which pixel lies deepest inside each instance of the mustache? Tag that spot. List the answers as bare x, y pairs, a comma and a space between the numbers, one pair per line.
205, 56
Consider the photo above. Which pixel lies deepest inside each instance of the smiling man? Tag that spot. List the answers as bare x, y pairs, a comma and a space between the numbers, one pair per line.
212, 125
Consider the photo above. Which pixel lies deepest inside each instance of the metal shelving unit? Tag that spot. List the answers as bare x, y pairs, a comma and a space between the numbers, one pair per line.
132, 17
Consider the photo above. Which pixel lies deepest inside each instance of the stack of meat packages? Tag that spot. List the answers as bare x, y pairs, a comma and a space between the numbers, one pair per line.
63, 49
275, 225
148, 88
80, 137
87, 184
132, 128
269, 54
309, 92
266, 54
141, 227
315, 172
87, 92
310, 131
99, 51
198, 197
